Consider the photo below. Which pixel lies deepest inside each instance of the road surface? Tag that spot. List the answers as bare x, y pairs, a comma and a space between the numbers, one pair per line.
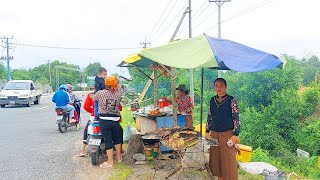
32, 148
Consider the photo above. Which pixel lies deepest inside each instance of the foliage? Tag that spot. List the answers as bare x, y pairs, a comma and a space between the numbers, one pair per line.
289, 162
92, 69
120, 172
3, 74
20, 74
126, 117
308, 137
278, 109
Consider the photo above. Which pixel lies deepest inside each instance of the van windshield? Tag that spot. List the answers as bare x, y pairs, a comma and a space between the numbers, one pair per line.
17, 86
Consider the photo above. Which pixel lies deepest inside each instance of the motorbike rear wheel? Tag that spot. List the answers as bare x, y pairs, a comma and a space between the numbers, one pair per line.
95, 157
63, 126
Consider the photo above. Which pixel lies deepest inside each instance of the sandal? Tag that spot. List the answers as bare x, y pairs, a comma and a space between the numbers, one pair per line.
106, 165
82, 154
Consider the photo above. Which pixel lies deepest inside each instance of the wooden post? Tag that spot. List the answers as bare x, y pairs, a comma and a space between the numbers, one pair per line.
174, 97
145, 89
155, 88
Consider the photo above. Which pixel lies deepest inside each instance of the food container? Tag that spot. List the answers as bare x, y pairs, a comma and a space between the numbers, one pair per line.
245, 153
162, 103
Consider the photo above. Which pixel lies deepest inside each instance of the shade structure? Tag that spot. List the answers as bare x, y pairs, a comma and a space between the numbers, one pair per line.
207, 52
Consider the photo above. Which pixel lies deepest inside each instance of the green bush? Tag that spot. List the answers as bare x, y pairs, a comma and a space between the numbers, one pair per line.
260, 155
308, 137
312, 98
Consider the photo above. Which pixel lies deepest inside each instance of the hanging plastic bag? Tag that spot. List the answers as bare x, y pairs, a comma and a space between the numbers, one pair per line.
129, 131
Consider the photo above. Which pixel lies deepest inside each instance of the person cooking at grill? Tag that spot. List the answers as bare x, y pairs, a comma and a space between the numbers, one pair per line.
223, 124
109, 116
185, 103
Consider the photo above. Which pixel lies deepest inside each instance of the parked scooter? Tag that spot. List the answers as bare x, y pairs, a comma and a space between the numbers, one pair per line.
95, 142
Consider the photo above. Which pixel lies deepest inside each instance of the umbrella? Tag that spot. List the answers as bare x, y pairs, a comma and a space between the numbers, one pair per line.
207, 52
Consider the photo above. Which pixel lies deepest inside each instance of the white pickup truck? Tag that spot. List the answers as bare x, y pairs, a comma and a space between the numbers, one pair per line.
20, 92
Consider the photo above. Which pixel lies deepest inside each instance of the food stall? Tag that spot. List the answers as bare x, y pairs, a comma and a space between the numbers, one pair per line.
199, 52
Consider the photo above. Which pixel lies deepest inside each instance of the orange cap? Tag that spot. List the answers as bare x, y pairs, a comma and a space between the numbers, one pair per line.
112, 81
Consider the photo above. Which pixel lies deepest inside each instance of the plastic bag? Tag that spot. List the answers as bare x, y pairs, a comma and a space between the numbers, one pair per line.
129, 131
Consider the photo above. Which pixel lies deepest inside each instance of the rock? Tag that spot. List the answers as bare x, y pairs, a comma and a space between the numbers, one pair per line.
139, 157
275, 175
257, 167
135, 146
140, 162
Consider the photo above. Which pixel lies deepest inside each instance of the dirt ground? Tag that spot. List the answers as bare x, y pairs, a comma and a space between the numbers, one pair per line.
165, 168
133, 172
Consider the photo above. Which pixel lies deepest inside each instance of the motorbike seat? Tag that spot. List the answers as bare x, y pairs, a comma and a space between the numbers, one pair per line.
60, 111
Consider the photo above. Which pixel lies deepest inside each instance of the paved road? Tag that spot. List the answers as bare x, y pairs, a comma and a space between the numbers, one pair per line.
32, 148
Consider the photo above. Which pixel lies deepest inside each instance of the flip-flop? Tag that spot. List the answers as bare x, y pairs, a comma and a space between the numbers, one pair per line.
106, 165
119, 161
82, 155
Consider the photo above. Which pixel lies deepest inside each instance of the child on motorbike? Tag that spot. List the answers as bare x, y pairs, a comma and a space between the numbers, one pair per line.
62, 100
109, 116
73, 100
89, 107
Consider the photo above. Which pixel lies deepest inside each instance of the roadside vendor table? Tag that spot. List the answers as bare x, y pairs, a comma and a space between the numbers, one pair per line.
146, 124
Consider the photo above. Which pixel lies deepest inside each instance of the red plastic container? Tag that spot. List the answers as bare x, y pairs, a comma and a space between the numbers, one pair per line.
162, 103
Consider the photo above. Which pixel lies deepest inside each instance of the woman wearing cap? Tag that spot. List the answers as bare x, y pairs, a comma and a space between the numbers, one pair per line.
223, 124
185, 104
109, 116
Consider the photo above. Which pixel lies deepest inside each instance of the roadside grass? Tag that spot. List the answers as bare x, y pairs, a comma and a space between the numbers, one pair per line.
246, 176
127, 117
120, 171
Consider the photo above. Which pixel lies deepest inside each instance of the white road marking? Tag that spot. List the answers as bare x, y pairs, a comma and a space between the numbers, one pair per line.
44, 107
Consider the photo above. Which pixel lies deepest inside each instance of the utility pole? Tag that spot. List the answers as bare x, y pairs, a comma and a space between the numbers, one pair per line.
144, 44
191, 70
49, 64
219, 4
5, 41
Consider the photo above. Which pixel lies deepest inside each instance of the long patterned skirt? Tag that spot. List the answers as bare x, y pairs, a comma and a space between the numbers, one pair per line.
222, 160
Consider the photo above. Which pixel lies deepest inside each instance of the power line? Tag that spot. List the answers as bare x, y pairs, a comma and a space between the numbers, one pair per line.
201, 22
242, 13
74, 48
164, 19
165, 29
200, 7
155, 25
196, 16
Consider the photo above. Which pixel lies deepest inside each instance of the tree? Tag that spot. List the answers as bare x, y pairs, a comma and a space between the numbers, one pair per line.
3, 74
20, 74
92, 69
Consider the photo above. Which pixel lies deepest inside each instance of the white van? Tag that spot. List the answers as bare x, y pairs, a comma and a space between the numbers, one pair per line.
20, 92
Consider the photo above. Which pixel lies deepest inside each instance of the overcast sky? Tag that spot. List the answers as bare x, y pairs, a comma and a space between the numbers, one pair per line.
275, 26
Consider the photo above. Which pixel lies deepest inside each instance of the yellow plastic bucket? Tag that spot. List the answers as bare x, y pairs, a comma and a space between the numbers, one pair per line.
245, 153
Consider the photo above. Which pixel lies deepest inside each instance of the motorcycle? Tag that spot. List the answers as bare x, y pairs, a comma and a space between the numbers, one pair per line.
63, 117
95, 142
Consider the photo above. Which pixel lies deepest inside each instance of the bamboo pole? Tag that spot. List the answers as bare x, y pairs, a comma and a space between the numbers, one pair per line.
155, 88
174, 97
